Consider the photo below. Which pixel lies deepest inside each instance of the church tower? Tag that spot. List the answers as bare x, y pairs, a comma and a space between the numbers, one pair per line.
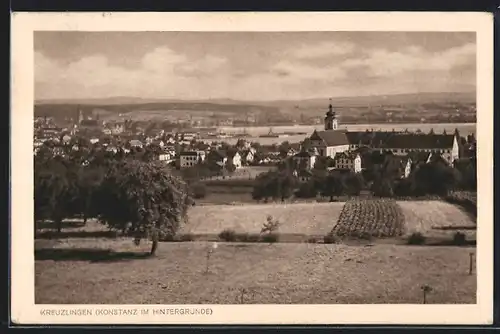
331, 119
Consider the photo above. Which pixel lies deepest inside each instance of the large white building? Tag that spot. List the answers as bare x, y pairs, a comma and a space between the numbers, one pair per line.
190, 158
332, 141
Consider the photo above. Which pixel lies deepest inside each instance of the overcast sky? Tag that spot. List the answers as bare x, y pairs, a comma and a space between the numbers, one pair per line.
251, 66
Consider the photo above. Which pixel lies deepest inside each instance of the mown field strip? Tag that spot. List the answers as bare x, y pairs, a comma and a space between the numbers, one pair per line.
299, 218
435, 218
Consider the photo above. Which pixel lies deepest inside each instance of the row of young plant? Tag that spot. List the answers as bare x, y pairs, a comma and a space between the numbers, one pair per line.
377, 218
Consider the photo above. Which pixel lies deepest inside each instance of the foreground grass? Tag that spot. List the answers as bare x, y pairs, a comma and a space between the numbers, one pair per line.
278, 273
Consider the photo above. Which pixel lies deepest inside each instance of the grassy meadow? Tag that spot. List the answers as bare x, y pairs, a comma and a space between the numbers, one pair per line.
87, 264
270, 274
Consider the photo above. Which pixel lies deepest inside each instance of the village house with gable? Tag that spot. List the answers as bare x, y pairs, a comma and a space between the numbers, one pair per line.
305, 159
348, 161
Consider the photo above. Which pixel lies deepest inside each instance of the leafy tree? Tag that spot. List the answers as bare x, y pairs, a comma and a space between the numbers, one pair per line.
89, 180
435, 178
143, 199
199, 190
383, 187
240, 143
307, 190
468, 170
230, 167
353, 183
333, 186
283, 148
55, 190
274, 184
306, 144
321, 163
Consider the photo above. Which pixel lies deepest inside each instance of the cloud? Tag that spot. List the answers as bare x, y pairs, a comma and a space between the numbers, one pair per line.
161, 72
301, 72
297, 73
381, 62
324, 49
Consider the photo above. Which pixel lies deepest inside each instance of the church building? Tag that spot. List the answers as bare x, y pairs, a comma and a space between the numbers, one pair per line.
332, 140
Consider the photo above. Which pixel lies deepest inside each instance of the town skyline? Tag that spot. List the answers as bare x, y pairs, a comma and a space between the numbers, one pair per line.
251, 66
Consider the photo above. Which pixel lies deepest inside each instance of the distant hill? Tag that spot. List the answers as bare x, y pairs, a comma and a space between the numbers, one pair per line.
467, 97
135, 105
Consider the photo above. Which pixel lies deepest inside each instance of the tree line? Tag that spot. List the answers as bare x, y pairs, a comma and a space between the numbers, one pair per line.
384, 177
132, 193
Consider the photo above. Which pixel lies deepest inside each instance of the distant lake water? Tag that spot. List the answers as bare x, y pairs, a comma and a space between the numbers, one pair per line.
254, 132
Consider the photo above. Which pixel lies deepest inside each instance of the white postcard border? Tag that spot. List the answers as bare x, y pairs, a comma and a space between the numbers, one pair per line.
25, 311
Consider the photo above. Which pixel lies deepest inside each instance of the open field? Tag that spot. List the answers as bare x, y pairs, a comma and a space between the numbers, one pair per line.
309, 219
436, 219
80, 271
220, 197
245, 172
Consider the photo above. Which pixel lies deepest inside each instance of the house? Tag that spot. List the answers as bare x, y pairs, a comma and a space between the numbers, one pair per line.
303, 175
170, 140
66, 139
165, 156
291, 152
304, 159
419, 158
406, 164
136, 143
348, 161
221, 158
247, 156
235, 158
188, 159
112, 149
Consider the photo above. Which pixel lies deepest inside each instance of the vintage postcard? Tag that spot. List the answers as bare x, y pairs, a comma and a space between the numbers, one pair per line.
252, 168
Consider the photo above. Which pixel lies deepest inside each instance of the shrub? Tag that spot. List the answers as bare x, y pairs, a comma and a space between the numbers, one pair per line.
459, 239
228, 235
270, 225
247, 237
365, 236
270, 238
167, 237
186, 237
199, 190
253, 238
330, 238
416, 238
312, 240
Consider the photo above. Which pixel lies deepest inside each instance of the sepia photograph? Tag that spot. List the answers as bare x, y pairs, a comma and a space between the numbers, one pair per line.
281, 167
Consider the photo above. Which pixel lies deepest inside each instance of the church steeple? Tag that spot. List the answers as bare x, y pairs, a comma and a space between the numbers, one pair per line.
331, 118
